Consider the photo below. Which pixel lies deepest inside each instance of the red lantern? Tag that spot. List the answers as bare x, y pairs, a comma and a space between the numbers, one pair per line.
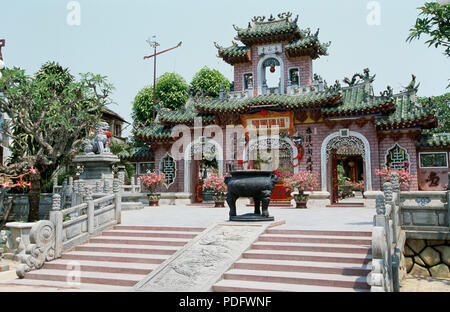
272, 69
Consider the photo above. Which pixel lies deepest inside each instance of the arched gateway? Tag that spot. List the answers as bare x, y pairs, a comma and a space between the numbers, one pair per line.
344, 142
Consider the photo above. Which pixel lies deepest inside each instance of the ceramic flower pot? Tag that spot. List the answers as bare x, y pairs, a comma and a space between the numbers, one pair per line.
301, 199
153, 199
219, 200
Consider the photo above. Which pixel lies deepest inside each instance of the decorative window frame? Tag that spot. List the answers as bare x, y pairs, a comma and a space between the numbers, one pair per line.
167, 185
446, 160
406, 150
243, 81
138, 171
289, 76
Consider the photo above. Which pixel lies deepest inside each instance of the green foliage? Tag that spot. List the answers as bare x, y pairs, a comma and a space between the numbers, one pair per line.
209, 81
124, 151
435, 22
172, 90
440, 105
341, 175
51, 114
143, 106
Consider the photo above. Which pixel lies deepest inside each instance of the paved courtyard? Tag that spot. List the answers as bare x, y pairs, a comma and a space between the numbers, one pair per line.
358, 219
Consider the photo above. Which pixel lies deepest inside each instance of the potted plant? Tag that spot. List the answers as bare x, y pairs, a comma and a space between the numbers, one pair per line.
152, 181
404, 177
216, 184
347, 188
360, 185
302, 181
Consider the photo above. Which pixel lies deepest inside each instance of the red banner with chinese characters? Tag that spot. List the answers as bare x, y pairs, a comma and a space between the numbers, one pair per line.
268, 119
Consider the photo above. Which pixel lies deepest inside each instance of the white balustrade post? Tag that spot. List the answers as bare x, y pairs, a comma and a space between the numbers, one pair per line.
90, 216
55, 184
118, 207
132, 184
56, 217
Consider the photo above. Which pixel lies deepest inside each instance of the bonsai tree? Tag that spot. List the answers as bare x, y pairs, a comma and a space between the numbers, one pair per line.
51, 113
209, 81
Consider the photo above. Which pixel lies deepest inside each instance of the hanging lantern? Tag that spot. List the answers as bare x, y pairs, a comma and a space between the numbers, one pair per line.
272, 69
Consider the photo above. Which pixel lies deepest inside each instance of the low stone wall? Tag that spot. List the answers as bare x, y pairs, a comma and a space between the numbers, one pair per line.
20, 208
427, 257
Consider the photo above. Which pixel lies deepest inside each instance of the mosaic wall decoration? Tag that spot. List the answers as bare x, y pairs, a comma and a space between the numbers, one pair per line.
397, 158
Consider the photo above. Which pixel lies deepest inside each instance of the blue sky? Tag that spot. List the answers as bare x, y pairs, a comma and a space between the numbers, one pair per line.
111, 39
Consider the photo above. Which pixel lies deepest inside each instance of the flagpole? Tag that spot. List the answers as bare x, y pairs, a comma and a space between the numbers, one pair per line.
154, 44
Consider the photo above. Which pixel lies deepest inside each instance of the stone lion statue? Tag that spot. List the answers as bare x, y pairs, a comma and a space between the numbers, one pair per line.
100, 143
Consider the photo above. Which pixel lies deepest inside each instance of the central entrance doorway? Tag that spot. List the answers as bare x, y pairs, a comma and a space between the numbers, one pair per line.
347, 177
345, 160
263, 152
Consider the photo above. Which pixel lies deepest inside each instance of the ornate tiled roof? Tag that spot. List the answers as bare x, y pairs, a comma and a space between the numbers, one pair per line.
154, 132
408, 113
289, 102
141, 153
434, 140
262, 31
308, 45
234, 54
358, 99
183, 116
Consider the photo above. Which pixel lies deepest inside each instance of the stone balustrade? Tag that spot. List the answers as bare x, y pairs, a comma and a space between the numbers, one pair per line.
411, 230
300, 90
70, 227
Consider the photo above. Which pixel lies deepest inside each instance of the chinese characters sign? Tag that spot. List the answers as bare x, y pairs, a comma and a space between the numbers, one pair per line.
269, 49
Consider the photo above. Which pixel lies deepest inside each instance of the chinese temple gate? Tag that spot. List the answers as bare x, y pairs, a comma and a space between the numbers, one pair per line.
344, 128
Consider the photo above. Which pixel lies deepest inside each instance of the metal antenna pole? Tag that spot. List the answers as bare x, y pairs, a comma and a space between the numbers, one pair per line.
154, 44
154, 85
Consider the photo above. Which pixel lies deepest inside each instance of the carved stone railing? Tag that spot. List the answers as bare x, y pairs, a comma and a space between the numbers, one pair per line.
238, 95
424, 210
300, 90
387, 240
70, 227
398, 213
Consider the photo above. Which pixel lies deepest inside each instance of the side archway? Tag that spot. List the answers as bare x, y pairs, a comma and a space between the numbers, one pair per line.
199, 142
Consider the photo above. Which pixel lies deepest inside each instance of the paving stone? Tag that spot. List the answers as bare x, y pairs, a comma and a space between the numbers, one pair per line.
445, 253
440, 270
418, 270
408, 252
419, 261
430, 256
408, 264
417, 245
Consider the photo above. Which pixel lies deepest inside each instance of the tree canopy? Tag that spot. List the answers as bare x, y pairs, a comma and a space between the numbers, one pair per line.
434, 21
143, 106
441, 107
172, 92
209, 81
51, 113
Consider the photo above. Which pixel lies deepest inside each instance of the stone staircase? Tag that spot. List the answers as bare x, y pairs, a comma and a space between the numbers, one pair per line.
114, 260
302, 261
